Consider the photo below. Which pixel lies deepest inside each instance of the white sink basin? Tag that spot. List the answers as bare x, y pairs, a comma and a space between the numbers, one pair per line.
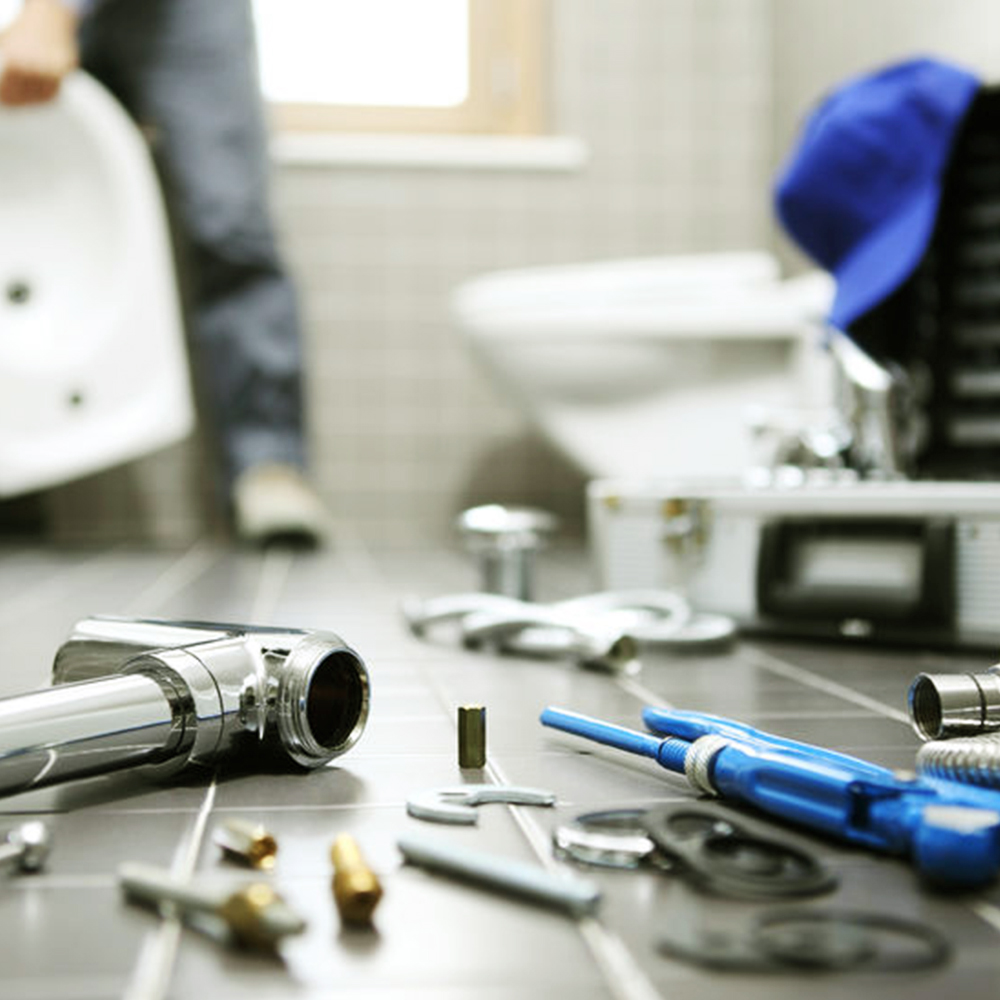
93, 368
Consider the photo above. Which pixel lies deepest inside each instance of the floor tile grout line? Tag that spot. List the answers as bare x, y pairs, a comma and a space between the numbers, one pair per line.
358, 558
60, 582
622, 974
775, 665
179, 575
150, 979
275, 567
986, 911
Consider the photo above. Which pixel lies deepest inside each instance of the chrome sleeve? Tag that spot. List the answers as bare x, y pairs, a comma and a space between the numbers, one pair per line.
78, 730
955, 704
323, 699
99, 646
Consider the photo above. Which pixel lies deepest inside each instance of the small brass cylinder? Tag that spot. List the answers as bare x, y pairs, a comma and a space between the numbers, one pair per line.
247, 842
259, 918
356, 888
471, 736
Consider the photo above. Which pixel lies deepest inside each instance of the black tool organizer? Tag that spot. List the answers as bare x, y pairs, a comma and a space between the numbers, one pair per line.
941, 329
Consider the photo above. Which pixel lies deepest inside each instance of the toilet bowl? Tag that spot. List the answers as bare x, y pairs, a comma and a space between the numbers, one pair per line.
93, 367
653, 366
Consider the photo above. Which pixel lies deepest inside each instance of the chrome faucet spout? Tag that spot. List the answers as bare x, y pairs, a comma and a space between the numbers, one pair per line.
142, 692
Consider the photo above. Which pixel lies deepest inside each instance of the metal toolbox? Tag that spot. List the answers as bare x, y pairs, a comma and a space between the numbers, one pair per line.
899, 561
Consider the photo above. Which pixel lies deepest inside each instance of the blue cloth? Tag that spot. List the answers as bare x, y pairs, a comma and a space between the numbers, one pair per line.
860, 191
186, 71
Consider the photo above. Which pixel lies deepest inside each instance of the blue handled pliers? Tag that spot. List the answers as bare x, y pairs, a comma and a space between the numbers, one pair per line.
950, 831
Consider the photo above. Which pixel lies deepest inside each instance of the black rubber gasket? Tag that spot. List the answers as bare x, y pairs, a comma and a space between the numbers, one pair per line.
815, 941
730, 859
830, 939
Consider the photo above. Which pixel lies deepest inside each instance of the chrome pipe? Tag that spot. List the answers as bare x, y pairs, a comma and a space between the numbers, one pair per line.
947, 705
131, 692
504, 541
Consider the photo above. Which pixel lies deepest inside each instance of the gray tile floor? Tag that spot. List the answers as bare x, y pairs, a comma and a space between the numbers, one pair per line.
67, 932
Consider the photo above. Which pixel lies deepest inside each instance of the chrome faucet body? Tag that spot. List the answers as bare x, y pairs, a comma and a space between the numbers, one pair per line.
129, 692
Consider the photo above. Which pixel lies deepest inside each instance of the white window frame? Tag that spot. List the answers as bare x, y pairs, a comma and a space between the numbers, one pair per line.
506, 93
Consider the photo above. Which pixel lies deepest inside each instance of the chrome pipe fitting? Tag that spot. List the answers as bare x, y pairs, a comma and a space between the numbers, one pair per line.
504, 541
945, 705
131, 692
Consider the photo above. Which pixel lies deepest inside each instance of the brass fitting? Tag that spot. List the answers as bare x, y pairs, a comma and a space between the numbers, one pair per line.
248, 843
259, 918
356, 888
471, 736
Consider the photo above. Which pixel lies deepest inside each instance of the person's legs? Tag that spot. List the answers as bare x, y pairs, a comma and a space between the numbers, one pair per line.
186, 69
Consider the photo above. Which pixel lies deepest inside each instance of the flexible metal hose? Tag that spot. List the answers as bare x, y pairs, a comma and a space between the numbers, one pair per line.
974, 760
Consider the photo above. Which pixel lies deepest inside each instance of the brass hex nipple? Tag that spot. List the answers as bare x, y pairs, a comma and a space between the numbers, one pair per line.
255, 915
471, 736
356, 888
259, 918
248, 843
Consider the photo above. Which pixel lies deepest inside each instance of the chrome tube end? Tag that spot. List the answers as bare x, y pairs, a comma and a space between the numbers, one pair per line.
943, 705
323, 699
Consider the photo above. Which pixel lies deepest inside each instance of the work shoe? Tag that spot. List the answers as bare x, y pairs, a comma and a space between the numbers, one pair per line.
273, 502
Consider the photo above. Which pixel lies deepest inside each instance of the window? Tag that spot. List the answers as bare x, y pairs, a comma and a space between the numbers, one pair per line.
467, 66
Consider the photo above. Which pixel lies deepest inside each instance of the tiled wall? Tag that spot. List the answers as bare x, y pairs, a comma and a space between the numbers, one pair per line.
685, 105
670, 97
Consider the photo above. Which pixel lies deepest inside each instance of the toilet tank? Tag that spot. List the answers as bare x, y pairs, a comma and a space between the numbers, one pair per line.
93, 365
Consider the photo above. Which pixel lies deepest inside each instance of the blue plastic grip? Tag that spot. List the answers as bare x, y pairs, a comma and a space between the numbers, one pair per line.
690, 725
668, 753
951, 832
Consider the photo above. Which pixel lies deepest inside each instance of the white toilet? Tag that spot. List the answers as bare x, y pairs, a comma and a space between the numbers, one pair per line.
653, 367
93, 367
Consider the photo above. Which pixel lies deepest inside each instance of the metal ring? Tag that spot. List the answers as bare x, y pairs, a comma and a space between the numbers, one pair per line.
613, 838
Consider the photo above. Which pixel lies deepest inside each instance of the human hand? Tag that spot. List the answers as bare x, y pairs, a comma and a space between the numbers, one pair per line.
37, 51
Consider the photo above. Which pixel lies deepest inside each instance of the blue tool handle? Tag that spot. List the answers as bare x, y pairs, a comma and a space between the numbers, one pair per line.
690, 725
693, 725
952, 843
954, 840
815, 793
668, 753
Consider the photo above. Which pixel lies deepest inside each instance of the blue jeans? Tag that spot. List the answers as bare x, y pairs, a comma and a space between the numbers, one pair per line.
186, 70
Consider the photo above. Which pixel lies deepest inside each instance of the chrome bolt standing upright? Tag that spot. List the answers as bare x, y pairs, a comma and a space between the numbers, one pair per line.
505, 540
